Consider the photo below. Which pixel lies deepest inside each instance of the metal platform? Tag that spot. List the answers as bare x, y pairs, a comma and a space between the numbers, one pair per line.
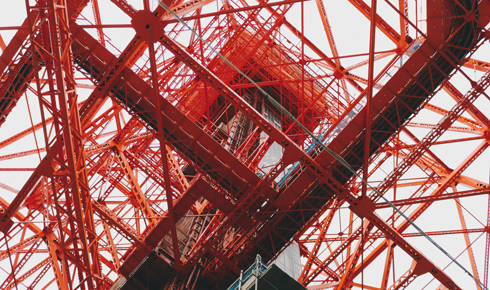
260, 277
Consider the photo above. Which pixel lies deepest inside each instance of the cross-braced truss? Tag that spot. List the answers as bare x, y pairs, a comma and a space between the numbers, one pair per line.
164, 144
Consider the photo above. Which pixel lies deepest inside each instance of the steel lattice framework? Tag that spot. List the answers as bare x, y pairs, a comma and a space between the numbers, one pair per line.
133, 155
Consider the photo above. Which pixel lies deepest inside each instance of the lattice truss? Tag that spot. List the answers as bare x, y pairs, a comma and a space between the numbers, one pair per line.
132, 155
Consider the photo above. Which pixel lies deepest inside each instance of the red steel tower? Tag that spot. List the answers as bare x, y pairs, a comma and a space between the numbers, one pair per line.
165, 144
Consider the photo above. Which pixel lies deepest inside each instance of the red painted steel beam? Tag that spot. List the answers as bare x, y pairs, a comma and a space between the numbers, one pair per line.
467, 121
436, 132
418, 200
469, 247
410, 146
21, 72
2, 44
380, 235
479, 116
311, 45
479, 65
123, 228
365, 208
14, 45
447, 182
169, 19
174, 121
427, 164
347, 139
369, 96
163, 227
297, 154
137, 193
303, 179
57, 55
381, 24
33, 181
314, 252
384, 96
98, 21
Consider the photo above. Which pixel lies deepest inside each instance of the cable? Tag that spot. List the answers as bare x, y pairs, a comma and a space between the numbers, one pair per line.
10, 259
336, 156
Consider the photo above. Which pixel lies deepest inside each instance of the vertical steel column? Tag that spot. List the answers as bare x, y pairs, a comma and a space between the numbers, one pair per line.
77, 240
163, 147
367, 136
487, 246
